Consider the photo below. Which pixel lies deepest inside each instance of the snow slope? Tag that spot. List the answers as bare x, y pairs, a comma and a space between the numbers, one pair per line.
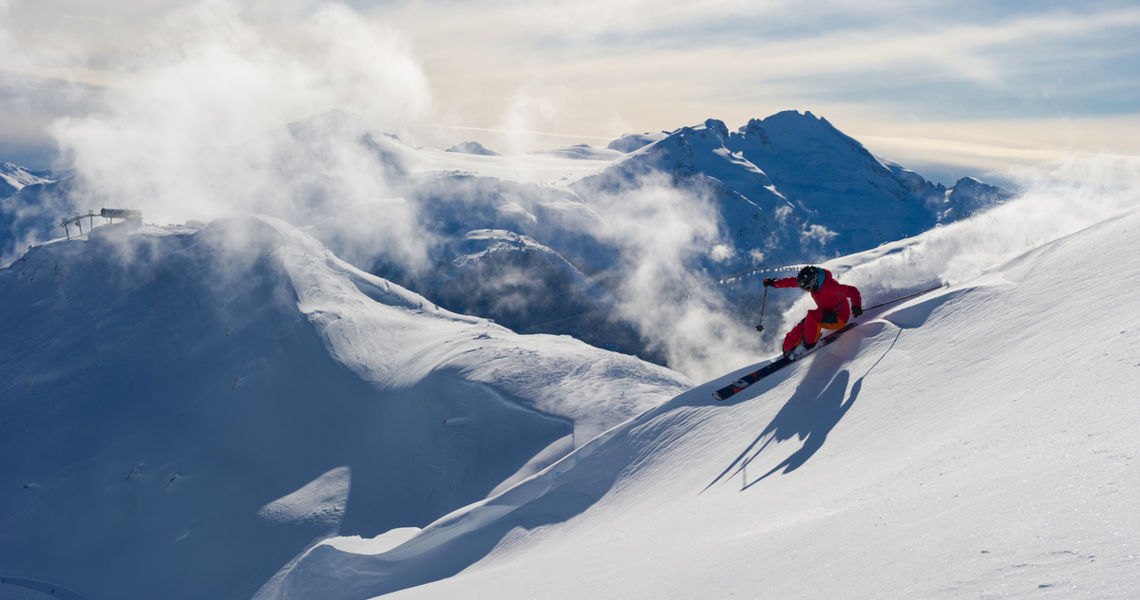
978, 441
185, 410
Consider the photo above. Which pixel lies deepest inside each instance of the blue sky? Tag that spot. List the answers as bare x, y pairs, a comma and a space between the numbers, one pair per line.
951, 86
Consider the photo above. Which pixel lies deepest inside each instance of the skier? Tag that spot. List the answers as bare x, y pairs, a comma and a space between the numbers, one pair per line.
835, 304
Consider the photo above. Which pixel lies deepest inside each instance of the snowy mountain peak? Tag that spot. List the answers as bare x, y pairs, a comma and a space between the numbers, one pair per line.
635, 141
968, 197
718, 128
14, 178
972, 183
582, 152
336, 120
471, 147
804, 133
833, 196
755, 132
793, 118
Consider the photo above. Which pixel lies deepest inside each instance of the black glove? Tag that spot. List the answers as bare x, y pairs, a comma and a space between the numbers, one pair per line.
856, 311
769, 282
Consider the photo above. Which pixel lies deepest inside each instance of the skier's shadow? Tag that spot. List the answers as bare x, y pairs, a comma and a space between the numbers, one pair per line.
816, 407
812, 412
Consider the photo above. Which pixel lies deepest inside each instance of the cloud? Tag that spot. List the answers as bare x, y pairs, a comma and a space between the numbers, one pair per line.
529, 110
195, 130
221, 108
994, 150
665, 234
604, 68
865, 53
680, 63
7, 46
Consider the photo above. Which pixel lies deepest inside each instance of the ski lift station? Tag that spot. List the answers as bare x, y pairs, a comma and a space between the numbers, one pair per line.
110, 214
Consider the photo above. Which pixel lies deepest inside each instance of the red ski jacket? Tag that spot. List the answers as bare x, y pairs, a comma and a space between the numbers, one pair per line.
832, 295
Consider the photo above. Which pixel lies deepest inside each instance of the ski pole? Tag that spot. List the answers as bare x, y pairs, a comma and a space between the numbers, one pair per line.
901, 298
763, 303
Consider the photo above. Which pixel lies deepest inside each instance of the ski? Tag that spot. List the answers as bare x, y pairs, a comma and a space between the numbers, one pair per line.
751, 378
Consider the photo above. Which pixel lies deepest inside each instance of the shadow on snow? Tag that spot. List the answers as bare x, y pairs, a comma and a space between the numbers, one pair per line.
821, 400
813, 411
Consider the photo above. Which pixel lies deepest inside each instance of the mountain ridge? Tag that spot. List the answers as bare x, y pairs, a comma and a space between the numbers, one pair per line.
785, 190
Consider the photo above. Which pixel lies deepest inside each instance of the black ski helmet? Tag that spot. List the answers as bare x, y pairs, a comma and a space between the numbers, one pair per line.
809, 279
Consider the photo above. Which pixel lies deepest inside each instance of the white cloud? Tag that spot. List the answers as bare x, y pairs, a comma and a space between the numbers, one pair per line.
679, 63
602, 68
188, 134
664, 233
